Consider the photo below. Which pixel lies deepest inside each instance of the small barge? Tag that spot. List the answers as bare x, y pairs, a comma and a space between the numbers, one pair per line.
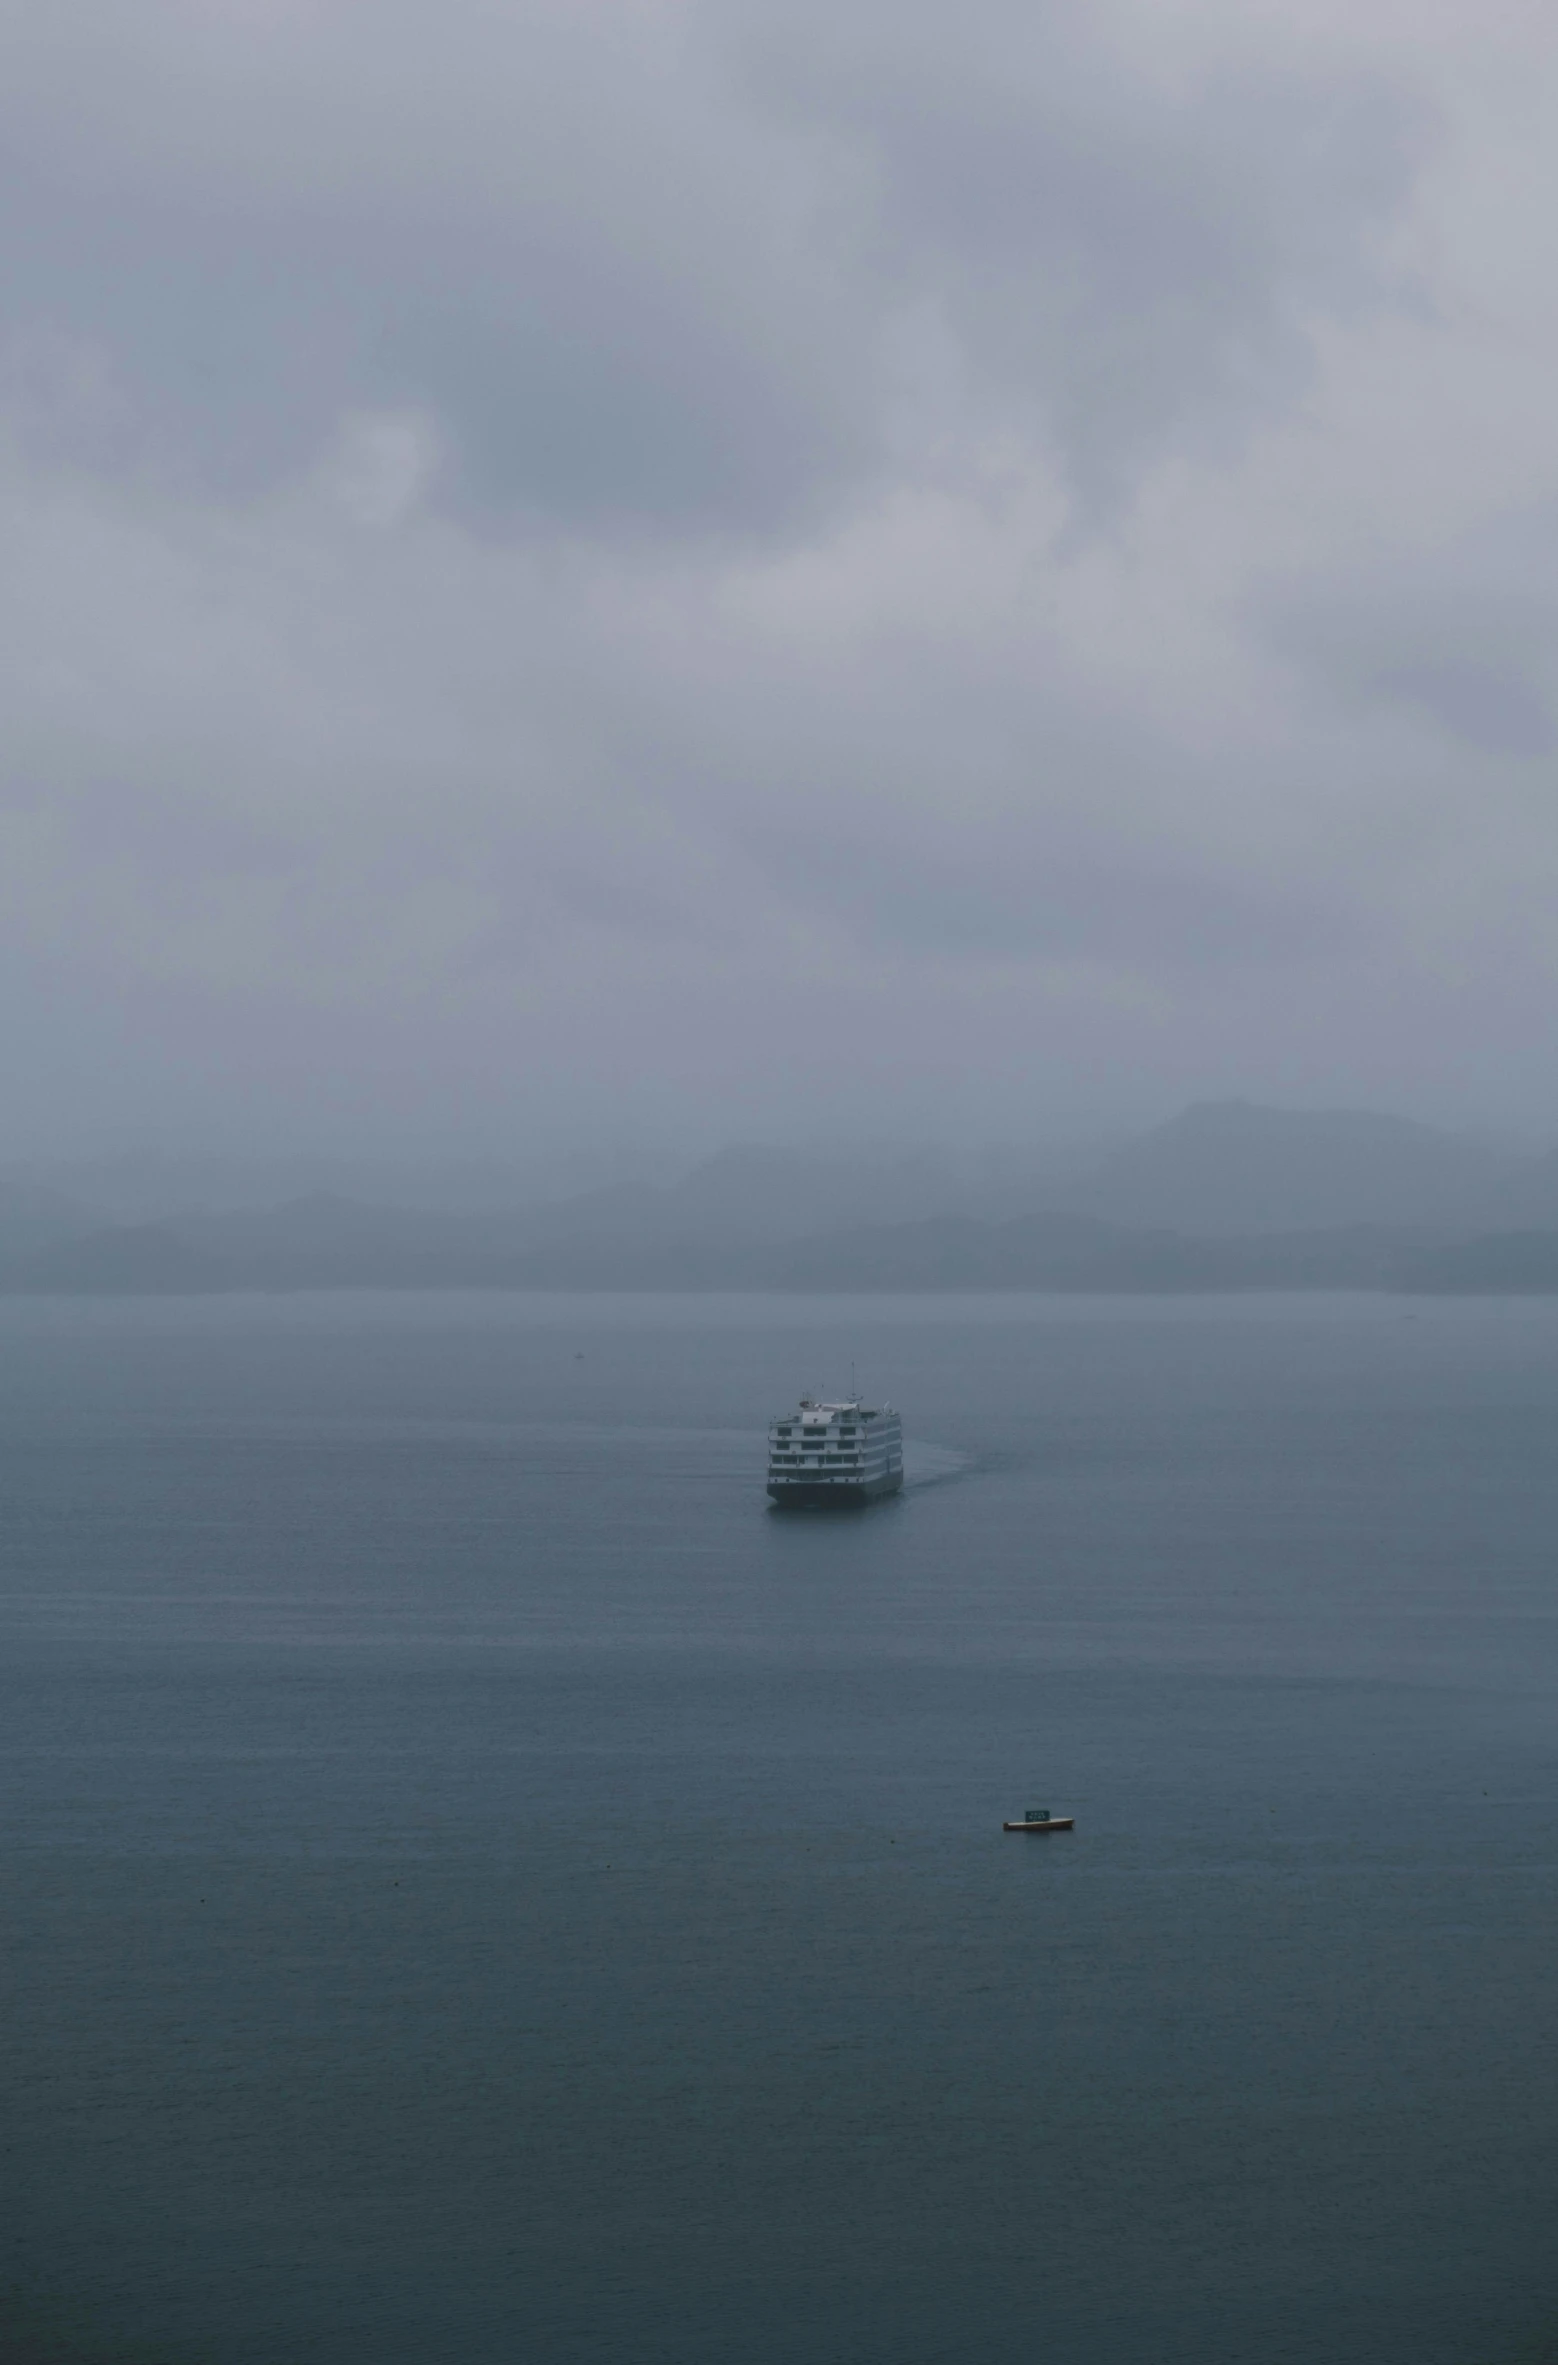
1040, 1819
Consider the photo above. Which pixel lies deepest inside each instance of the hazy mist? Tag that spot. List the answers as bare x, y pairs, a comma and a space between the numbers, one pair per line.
595, 578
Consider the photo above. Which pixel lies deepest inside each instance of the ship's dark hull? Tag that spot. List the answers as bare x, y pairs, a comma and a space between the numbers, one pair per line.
832, 1494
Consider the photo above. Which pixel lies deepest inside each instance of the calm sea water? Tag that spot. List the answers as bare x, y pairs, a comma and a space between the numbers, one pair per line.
478, 1885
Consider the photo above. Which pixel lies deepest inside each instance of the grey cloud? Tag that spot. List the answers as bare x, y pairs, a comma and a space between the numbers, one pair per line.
1129, 262
1464, 639
1148, 913
1488, 706
577, 277
552, 547
649, 269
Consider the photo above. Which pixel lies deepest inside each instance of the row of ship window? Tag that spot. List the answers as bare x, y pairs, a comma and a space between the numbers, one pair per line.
786, 1455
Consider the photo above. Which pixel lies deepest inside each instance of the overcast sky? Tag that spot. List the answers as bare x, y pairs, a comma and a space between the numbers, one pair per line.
711, 568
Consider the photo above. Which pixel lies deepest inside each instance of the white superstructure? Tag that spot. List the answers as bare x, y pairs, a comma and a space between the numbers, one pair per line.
848, 1452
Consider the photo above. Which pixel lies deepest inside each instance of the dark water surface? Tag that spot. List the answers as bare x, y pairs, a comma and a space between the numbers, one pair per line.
477, 1885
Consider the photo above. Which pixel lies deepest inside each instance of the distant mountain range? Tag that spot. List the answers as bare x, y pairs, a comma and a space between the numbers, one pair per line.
1231, 1167
1225, 1196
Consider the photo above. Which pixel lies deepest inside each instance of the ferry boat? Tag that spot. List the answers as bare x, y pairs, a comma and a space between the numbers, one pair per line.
834, 1454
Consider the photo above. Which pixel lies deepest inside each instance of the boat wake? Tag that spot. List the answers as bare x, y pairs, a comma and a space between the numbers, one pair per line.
933, 1465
